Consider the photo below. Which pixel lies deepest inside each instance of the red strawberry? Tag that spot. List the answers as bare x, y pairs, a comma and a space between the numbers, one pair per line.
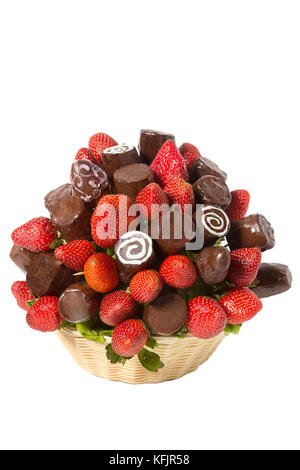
129, 338
244, 266
110, 219
178, 271
189, 153
44, 315
22, 294
206, 317
116, 307
238, 207
99, 142
151, 194
240, 305
36, 235
85, 154
146, 285
75, 254
180, 192
168, 163
101, 273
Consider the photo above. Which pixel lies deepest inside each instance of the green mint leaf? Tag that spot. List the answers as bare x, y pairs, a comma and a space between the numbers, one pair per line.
113, 357
151, 343
150, 360
182, 332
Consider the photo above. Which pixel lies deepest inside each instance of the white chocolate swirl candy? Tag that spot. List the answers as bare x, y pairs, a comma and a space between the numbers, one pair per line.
215, 221
134, 248
117, 149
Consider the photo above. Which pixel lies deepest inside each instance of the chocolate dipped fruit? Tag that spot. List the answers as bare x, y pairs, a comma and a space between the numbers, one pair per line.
131, 179
253, 231
69, 213
118, 156
166, 315
150, 143
79, 303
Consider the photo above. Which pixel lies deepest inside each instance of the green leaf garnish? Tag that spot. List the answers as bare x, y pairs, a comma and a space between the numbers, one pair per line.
197, 289
150, 360
254, 283
113, 357
232, 329
182, 332
66, 324
151, 343
219, 241
31, 302
93, 334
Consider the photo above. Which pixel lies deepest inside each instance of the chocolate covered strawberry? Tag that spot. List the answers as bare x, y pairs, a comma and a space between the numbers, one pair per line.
178, 271
99, 142
44, 315
110, 219
146, 285
240, 305
116, 307
101, 273
206, 318
75, 254
35, 235
129, 338
189, 153
168, 163
149, 198
239, 204
180, 192
22, 294
244, 265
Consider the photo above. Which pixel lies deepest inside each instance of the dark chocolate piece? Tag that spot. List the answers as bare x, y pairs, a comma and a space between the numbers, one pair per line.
203, 166
79, 303
131, 179
22, 257
274, 278
150, 143
250, 232
134, 252
213, 221
166, 315
118, 156
213, 263
213, 191
69, 213
89, 181
181, 231
47, 275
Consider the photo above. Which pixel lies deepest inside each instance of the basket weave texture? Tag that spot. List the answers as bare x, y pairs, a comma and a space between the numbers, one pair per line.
179, 355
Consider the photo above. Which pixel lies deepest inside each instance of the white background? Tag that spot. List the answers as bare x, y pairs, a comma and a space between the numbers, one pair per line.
222, 75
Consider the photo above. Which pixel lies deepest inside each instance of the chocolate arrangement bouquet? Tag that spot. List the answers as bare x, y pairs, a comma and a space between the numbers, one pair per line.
147, 260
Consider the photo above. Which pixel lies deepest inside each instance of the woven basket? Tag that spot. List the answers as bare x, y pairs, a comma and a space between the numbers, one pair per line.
179, 355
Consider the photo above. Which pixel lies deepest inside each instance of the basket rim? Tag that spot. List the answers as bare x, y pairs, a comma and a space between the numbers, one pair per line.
161, 339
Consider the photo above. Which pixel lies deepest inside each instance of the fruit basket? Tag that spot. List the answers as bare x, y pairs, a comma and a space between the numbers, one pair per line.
179, 355
146, 261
